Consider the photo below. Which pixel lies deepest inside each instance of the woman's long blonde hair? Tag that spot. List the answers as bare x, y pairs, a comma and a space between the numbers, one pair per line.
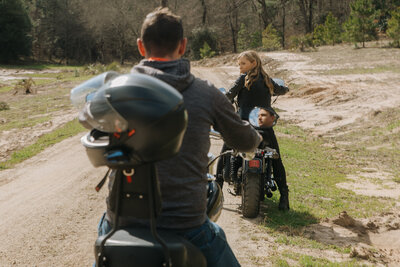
254, 73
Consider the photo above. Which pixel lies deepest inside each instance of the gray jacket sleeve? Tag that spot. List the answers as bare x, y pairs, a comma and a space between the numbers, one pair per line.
237, 134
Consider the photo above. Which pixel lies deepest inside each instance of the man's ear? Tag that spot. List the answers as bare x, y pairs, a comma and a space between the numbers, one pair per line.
140, 46
182, 46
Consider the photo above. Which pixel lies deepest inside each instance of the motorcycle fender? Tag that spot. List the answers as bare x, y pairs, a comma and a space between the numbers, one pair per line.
252, 170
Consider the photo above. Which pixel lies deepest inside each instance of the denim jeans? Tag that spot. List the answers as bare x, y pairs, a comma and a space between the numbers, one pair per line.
209, 238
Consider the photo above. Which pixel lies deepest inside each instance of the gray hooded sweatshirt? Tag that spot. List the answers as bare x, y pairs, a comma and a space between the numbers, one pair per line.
183, 180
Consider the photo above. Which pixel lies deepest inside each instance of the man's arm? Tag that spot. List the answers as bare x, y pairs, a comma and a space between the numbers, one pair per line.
237, 134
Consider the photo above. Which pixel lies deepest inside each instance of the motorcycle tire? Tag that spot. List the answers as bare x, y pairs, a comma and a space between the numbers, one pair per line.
251, 195
237, 185
226, 169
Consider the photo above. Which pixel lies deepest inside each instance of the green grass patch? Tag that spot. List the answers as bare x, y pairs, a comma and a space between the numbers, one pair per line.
296, 239
30, 110
68, 130
26, 122
6, 89
377, 143
313, 170
309, 261
39, 67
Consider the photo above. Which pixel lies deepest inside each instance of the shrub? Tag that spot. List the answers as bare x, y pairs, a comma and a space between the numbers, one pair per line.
247, 40
318, 35
113, 66
206, 51
393, 30
25, 86
242, 38
256, 39
302, 42
332, 29
270, 39
4, 106
360, 27
200, 36
93, 69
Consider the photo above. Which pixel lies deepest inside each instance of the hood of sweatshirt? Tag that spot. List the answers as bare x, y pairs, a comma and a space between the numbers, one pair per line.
175, 72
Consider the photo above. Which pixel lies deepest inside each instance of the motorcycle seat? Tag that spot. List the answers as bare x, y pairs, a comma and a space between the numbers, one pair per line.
137, 247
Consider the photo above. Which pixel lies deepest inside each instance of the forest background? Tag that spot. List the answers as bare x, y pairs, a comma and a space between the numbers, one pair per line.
105, 31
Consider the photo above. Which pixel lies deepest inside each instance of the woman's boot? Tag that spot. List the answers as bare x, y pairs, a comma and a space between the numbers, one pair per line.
284, 199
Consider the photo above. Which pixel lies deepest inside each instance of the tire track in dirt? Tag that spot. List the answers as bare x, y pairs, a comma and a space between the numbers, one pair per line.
49, 209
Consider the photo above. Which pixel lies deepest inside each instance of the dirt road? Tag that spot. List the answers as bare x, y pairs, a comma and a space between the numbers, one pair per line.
49, 209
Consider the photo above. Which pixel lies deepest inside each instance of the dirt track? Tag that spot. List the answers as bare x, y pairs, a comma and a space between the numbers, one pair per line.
49, 209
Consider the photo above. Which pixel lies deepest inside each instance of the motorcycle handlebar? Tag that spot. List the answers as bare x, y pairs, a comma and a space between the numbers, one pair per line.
268, 152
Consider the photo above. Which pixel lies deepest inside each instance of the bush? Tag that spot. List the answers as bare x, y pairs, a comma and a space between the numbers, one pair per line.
199, 37
318, 35
332, 30
327, 33
113, 66
25, 86
4, 106
93, 69
247, 40
361, 26
206, 51
256, 40
302, 42
270, 39
393, 30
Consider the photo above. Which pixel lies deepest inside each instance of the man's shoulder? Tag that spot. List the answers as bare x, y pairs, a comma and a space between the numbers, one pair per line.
203, 82
203, 86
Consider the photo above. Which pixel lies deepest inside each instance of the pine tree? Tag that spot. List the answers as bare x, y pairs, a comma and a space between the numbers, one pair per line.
270, 39
393, 30
243, 38
15, 27
332, 29
360, 26
206, 52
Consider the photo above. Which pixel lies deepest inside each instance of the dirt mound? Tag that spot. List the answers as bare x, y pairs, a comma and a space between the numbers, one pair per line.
374, 239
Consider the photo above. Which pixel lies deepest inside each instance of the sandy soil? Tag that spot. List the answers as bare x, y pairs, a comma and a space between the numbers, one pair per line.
49, 209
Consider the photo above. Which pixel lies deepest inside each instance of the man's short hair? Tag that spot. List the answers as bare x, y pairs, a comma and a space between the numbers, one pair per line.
270, 110
161, 32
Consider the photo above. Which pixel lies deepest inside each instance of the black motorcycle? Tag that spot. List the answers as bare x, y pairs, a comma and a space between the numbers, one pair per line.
129, 137
254, 179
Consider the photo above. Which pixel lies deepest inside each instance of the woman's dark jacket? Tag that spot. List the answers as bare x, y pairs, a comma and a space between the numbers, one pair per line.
258, 95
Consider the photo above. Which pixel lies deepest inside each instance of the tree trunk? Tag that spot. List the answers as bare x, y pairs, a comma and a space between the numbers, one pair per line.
310, 16
283, 5
204, 18
164, 3
306, 10
233, 32
264, 13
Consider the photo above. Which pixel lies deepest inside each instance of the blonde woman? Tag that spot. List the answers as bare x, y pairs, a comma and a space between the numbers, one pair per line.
253, 87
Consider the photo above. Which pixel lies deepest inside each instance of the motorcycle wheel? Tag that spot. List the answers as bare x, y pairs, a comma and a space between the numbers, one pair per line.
251, 195
237, 185
226, 168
